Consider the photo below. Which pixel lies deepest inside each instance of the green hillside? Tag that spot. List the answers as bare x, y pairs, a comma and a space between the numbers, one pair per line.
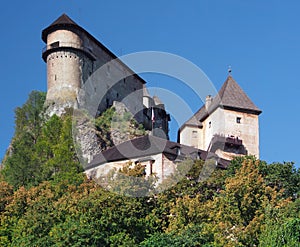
46, 200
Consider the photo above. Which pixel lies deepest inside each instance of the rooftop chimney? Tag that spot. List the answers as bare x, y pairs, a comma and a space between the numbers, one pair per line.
208, 101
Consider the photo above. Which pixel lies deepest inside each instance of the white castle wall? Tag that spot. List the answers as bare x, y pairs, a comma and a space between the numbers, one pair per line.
224, 122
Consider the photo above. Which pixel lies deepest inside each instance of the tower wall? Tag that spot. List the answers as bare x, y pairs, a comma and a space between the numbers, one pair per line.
63, 76
72, 56
64, 67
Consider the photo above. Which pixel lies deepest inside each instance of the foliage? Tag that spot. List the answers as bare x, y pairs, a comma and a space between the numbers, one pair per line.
281, 226
235, 210
131, 181
42, 149
103, 125
283, 177
192, 236
124, 123
46, 200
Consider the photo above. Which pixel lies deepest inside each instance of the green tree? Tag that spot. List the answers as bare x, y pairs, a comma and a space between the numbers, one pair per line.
281, 227
282, 176
192, 236
237, 214
131, 181
20, 167
42, 149
29, 117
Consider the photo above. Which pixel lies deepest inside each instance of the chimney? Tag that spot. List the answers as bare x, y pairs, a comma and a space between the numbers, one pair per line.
208, 101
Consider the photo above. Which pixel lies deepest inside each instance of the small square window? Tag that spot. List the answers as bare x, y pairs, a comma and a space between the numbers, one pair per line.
209, 125
238, 120
194, 134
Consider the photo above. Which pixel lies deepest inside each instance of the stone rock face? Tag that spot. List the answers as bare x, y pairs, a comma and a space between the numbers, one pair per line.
53, 108
85, 136
124, 127
90, 141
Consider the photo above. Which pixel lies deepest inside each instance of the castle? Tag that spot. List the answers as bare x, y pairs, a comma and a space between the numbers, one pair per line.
73, 55
227, 125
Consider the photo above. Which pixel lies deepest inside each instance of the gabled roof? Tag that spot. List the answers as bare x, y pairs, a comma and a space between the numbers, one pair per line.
143, 147
146, 146
231, 96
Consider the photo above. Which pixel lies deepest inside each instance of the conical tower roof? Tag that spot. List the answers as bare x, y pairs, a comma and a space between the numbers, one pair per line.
62, 21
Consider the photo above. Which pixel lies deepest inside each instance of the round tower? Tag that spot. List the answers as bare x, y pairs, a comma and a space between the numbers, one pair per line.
65, 56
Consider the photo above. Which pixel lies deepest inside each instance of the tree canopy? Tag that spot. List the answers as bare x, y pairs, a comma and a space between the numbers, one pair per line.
46, 200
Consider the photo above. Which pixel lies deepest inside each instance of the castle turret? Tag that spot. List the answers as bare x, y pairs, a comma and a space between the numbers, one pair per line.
65, 56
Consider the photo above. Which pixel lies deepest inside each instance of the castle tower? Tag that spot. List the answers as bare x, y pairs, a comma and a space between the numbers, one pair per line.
66, 58
227, 124
72, 55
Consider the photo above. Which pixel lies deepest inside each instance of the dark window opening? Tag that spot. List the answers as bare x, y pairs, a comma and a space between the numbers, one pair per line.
151, 166
194, 134
238, 120
54, 44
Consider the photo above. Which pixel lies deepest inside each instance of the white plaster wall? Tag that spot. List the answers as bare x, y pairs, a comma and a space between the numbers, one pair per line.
247, 130
191, 136
213, 124
162, 167
223, 122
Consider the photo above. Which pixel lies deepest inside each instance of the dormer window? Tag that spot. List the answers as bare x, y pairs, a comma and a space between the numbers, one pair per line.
238, 120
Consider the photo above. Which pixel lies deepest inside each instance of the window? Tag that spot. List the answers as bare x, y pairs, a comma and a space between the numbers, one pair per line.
209, 125
54, 44
194, 134
238, 120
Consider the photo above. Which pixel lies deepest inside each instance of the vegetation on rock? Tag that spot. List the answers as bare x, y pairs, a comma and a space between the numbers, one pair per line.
46, 200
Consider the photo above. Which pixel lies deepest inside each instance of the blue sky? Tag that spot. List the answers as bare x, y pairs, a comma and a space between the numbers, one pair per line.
259, 39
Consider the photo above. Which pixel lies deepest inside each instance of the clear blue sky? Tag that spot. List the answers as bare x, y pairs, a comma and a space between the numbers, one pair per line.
259, 39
